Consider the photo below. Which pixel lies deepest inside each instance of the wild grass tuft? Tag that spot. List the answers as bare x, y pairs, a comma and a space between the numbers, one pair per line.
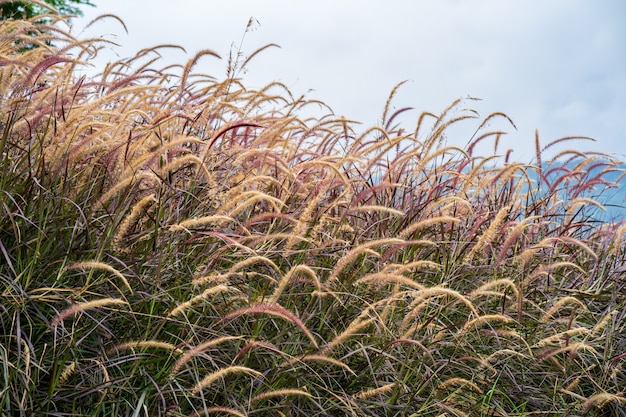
173, 243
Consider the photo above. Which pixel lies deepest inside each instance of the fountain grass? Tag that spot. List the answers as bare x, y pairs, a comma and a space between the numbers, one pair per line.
174, 244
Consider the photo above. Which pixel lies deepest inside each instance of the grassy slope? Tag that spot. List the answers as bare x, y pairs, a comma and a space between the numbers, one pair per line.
176, 245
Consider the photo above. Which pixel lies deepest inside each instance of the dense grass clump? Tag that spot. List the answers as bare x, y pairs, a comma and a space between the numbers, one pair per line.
173, 244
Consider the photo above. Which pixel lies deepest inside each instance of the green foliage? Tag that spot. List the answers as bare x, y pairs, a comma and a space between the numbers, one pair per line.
27, 9
172, 244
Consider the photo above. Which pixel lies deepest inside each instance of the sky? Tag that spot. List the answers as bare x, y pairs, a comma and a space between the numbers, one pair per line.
558, 66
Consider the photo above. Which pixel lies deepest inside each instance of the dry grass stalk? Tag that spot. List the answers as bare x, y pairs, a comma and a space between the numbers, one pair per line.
514, 234
182, 161
86, 265
489, 234
429, 157
421, 300
320, 358
574, 242
414, 265
209, 410
256, 241
141, 161
485, 289
246, 198
570, 348
284, 392
275, 310
604, 322
306, 218
143, 344
538, 153
373, 392
523, 259
547, 269
462, 382
562, 336
150, 177
352, 254
254, 260
284, 281
80, 307
354, 327
616, 242
67, 372
573, 385
26, 353
375, 208
411, 342
452, 410
579, 202
262, 181
389, 101
185, 357
274, 202
202, 297
556, 306
212, 278
506, 352
132, 219
198, 222
422, 224
211, 378
602, 399
382, 278
258, 343
487, 318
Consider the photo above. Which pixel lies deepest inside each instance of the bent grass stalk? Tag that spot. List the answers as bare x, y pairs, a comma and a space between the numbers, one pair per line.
188, 355
505, 352
373, 392
84, 306
257, 343
275, 310
560, 303
491, 232
87, 265
320, 358
126, 182
571, 348
355, 327
421, 297
359, 250
461, 382
601, 399
284, 392
381, 278
202, 297
254, 260
423, 224
486, 289
217, 409
144, 344
284, 281
211, 378
198, 222
562, 336
487, 318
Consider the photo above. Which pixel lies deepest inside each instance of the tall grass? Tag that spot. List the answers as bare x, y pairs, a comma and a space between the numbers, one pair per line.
174, 244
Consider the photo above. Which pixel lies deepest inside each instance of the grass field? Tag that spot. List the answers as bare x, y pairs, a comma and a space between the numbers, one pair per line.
172, 244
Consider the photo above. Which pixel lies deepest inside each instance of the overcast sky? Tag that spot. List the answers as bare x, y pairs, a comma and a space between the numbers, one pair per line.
555, 65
